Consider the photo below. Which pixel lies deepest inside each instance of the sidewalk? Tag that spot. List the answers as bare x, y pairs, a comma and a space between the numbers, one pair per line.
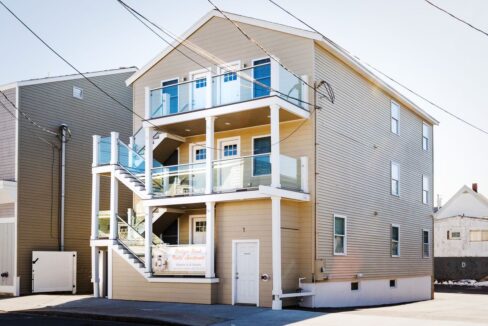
151, 312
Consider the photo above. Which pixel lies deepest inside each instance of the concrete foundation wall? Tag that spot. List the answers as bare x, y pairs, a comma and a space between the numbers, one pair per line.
459, 268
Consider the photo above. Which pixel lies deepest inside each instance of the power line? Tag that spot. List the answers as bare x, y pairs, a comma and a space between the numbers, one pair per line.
457, 18
383, 74
329, 89
69, 64
25, 115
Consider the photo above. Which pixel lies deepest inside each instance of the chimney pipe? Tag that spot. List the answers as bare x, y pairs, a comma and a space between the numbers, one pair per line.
474, 186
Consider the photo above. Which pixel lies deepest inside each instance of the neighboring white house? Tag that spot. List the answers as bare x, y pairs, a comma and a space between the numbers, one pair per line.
461, 236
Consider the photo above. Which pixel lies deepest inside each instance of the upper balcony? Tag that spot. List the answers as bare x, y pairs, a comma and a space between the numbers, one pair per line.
176, 103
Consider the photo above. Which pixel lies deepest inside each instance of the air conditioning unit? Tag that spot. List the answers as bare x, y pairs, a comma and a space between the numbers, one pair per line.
53, 271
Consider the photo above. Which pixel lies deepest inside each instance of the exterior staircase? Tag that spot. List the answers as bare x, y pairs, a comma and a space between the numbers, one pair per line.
132, 182
130, 257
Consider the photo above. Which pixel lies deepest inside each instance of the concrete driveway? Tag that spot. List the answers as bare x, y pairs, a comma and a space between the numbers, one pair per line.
447, 309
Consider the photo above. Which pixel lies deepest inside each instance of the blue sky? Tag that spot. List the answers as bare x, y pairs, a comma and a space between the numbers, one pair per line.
424, 48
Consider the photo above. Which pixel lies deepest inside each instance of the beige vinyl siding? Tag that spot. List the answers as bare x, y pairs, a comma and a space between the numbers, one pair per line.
220, 38
51, 104
138, 288
7, 135
7, 253
355, 148
7, 210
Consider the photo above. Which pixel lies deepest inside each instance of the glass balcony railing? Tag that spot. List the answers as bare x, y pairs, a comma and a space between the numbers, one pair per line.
130, 159
241, 173
290, 173
227, 88
179, 180
104, 151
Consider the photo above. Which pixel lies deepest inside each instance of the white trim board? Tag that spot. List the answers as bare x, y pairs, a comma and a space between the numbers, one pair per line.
328, 45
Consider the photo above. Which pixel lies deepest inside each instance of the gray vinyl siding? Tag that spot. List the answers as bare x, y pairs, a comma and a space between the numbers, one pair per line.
52, 104
355, 148
7, 253
7, 135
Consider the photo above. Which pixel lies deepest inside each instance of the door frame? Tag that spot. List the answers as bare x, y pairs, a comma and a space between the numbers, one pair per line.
220, 151
234, 268
207, 71
191, 226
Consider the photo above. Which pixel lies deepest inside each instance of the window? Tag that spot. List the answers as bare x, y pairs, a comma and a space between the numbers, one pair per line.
230, 76
230, 150
262, 74
425, 189
395, 179
395, 118
453, 235
200, 154
77, 92
261, 161
200, 226
354, 286
393, 283
395, 241
478, 235
170, 87
201, 83
340, 235
425, 137
425, 243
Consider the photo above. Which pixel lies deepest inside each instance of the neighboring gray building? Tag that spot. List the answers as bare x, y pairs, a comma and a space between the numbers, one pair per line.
29, 167
461, 236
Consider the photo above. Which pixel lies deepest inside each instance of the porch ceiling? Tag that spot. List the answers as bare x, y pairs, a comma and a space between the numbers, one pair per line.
236, 120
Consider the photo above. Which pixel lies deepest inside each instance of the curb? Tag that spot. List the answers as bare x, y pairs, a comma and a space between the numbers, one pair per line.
117, 318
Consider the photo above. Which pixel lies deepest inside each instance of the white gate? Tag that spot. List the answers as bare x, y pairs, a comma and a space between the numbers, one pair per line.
54, 271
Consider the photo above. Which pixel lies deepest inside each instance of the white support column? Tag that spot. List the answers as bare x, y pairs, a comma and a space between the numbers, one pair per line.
275, 145
95, 272
95, 205
147, 103
148, 231
208, 102
304, 174
210, 241
131, 154
276, 251
275, 76
148, 153
96, 150
114, 206
114, 147
209, 143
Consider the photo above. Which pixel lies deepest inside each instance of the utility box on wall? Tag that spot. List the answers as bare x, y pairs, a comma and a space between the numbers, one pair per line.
54, 271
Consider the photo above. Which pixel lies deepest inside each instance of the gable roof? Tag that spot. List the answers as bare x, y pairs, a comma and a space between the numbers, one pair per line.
52, 79
480, 200
327, 44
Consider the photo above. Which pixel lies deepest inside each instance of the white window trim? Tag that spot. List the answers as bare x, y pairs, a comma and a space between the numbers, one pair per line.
192, 151
424, 176
399, 178
345, 235
398, 119
429, 243
252, 153
428, 136
399, 239
220, 141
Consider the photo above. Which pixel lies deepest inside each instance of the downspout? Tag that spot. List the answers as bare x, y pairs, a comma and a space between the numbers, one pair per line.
62, 183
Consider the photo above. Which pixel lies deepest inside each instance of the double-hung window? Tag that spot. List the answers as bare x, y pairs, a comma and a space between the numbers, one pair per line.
340, 243
425, 136
425, 189
395, 179
395, 118
395, 241
425, 243
261, 164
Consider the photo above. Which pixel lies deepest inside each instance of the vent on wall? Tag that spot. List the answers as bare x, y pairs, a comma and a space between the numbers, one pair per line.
78, 92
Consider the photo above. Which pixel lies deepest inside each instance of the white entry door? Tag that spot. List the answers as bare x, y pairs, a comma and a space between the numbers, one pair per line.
197, 168
230, 84
246, 272
199, 230
198, 90
230, 167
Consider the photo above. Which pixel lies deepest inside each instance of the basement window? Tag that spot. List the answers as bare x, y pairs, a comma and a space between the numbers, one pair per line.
393, 283
354, 286
77, 92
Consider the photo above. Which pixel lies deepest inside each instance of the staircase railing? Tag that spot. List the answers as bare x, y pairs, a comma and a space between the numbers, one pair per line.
139, 141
